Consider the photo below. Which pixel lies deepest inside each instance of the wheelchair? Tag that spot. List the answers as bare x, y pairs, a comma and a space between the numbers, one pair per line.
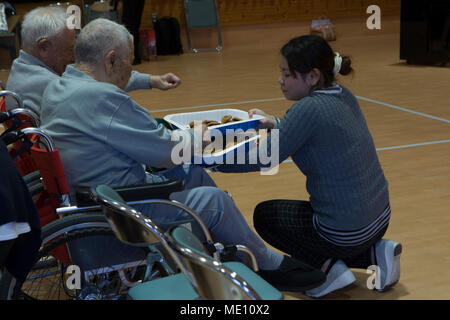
80, 235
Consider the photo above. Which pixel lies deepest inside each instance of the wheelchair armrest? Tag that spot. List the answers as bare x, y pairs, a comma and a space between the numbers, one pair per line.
158, 190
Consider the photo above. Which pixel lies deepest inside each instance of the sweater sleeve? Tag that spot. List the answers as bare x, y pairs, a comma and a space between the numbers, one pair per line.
289, 135
133, 132
138, 81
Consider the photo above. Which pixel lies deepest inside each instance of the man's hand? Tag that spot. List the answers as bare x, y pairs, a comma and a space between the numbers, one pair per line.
202, 136
165, 82
267, 123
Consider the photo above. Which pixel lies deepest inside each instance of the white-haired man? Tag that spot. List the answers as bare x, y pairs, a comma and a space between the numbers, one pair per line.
104, 137
47, 48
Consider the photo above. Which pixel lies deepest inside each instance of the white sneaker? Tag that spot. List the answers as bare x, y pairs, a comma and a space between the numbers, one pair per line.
338, 277
388, 259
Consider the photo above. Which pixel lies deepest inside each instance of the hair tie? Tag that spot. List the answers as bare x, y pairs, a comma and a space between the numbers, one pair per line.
337, 64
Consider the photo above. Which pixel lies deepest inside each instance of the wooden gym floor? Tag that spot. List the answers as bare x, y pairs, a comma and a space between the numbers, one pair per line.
407, 108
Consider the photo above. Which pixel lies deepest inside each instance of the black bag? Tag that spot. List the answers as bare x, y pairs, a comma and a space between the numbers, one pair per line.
167, 30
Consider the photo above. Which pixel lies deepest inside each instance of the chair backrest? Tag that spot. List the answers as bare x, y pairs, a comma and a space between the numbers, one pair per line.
209, 277
155, 199
201, 13
100, 9
129, 225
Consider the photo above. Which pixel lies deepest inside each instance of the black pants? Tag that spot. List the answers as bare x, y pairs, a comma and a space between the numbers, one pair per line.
288, 226
5, 249
131, 18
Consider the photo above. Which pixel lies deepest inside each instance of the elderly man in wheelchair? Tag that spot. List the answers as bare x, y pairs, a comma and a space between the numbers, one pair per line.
47, 48
106, 138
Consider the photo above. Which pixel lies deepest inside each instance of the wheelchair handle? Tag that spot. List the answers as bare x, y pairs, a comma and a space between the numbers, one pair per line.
33, 116
12, 136
48, 141
13, 95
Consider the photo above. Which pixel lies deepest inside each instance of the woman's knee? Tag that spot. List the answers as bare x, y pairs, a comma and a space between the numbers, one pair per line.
263, 213
279, 215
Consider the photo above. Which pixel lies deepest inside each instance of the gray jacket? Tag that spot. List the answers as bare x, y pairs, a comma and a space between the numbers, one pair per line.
103, 136
29, 77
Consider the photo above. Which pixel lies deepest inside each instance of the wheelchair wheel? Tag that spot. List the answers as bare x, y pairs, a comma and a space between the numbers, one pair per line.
105, 268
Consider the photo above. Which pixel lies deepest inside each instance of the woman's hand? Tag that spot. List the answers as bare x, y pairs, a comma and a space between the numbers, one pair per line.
267, 123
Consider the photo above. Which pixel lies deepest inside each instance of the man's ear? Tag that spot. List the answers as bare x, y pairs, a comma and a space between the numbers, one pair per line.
110, 62
313, 77
44, 46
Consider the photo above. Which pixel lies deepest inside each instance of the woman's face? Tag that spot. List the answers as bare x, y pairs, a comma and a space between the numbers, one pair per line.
294, 87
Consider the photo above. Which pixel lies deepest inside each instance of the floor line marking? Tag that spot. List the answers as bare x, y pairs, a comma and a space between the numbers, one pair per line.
412, 145
280, 99
404, 109
217, 105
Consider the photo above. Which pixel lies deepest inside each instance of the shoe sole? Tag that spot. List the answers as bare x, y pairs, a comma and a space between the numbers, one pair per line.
299, 289
339, 283
394, 276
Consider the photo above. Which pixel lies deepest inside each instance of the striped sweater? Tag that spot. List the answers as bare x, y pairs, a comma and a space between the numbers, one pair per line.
327, 137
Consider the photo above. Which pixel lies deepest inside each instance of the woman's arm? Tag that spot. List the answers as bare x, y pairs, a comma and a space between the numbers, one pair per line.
286, 138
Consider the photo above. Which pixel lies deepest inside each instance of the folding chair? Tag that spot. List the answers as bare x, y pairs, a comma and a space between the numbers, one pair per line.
202, 14
101, 9
201, 277
218, 281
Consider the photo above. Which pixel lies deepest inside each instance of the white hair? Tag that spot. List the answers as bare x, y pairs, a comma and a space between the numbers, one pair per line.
42, 23
98, 37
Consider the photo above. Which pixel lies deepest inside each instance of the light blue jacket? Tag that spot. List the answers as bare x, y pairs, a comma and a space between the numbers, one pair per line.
103, 136
29, 77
